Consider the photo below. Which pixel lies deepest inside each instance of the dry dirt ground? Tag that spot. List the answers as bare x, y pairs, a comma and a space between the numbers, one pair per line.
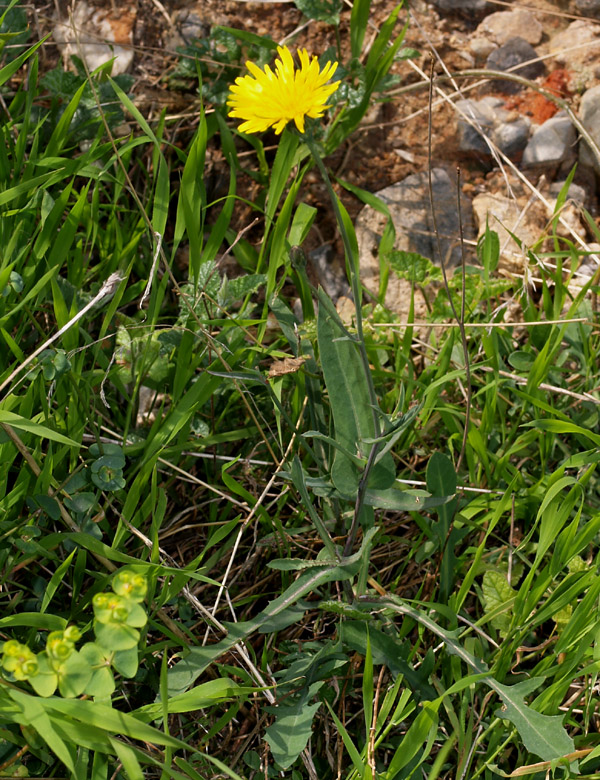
392, 141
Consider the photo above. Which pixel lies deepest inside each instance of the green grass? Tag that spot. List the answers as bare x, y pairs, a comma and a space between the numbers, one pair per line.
302, 620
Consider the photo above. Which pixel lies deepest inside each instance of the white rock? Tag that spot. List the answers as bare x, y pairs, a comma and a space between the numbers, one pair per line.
503, 25
589, 113
506, 216
482, 47
578, 46
97, 36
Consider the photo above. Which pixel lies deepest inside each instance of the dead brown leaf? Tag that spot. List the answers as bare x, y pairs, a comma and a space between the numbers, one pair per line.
285, 366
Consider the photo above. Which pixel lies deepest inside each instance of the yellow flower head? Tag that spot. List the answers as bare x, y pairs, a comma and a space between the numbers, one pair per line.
272, 99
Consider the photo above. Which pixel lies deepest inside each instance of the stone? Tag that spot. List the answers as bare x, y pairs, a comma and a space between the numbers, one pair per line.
482, 122
188, 26
482, 47
575, 193
588, 7
332, 278
552, 143
506, 216
464, 7
97, 35
508, 131
408, 203
511, 137
515, 56
589, 114
577, 49
503, 25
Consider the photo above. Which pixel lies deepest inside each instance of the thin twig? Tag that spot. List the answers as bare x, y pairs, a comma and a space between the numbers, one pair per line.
521, 380
485, 325
148, 290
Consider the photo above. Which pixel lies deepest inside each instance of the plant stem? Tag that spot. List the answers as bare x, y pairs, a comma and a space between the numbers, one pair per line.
353, 266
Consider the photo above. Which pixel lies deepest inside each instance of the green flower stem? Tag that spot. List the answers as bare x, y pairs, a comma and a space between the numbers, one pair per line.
357, 295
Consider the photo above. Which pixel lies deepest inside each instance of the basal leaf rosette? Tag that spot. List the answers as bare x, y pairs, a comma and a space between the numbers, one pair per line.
268, 98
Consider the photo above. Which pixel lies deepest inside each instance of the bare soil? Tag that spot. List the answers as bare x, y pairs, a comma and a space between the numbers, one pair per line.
392, 142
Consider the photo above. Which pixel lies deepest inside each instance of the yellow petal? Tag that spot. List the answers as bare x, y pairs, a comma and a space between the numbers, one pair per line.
272, 98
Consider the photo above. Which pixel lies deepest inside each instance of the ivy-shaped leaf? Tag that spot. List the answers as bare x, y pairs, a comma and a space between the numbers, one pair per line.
413, 267
289, 735
321, 10
497, 598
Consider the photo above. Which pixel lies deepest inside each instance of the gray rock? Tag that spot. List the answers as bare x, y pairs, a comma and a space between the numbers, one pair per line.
483, 120
511, 56
589, 113
332, 277
464, 7
489, 118
588, 7
575, 193
408, 202
552, 143
511, 137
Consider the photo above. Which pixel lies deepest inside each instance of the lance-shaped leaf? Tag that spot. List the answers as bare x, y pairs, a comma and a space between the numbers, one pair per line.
351, 404
186, 671
542, 735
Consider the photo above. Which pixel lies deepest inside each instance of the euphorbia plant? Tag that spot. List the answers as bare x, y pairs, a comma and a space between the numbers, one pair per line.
118, 616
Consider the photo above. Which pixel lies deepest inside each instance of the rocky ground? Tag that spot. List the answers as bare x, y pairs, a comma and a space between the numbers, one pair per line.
514, 140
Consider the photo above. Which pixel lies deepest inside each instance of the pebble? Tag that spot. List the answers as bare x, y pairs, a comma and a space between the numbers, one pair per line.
588, 7
552, 143
503, 25
589, 114
482, 47
510, 55
464, 7
508, 131
577, 47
